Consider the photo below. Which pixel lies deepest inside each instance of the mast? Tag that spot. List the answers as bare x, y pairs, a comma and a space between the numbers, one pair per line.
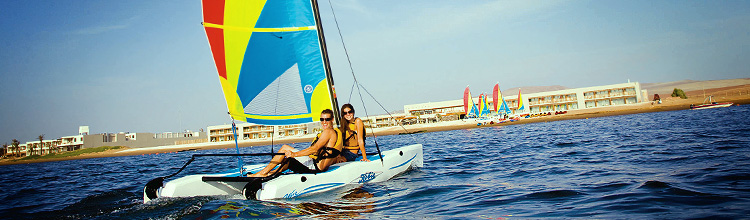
329, 76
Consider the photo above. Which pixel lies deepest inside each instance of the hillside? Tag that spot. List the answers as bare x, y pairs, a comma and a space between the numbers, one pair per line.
666, 88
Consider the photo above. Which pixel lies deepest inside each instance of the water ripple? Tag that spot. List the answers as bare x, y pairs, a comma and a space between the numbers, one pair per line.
651, 165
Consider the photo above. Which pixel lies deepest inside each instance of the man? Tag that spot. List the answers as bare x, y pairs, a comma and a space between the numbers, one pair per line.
323, 151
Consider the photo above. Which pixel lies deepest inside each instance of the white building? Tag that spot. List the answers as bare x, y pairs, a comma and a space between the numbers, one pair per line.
42, 148
379, 121
542, 102
12, 151
249, 131
75, 142
71, 143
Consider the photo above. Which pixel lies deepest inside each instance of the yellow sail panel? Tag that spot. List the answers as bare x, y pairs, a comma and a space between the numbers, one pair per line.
240, 13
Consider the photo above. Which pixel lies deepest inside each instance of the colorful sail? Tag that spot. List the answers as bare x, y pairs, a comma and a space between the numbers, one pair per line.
484, 109
467, 96
470, 108
495, 97
269, 59
504, 107
498, 101
482, 105
521, 102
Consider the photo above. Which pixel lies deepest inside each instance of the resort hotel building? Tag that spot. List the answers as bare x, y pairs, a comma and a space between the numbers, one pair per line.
248, 131
537, 103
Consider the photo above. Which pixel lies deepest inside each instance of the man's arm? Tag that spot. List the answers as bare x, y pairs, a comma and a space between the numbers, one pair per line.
322, 141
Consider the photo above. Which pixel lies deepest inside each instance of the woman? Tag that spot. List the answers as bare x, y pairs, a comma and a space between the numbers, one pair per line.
354, 134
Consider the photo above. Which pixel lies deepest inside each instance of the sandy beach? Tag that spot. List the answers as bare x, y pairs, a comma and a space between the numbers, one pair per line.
668, 104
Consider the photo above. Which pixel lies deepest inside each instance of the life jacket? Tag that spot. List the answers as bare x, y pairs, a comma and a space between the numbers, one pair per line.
351, 138
325, 151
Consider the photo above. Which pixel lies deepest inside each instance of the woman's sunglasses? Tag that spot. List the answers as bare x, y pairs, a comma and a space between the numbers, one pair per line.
349, 112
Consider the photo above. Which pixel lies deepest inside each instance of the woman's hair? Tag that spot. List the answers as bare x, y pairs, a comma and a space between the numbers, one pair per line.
344, 122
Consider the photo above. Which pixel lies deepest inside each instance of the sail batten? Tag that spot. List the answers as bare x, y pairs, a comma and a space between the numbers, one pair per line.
245, 29
269, 60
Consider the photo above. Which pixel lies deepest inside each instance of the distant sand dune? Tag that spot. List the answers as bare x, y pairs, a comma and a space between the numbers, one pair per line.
691, 85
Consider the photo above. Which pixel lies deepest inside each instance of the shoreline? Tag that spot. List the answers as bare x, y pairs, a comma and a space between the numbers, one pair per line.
669, 104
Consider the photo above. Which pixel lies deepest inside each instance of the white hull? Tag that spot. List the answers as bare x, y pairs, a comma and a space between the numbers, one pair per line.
395, 161
721, 105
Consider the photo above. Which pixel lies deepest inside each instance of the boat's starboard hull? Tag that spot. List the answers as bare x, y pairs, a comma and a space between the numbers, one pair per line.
707, 106
394, 162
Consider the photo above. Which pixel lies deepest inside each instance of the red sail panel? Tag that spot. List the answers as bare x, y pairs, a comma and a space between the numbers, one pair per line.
213, 12
481, 104
467, 96
495, 96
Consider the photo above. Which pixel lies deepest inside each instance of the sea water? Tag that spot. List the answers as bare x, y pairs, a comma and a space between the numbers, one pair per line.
677, 164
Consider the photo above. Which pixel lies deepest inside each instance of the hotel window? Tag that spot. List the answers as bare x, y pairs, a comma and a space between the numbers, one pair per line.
616, 92
630, 91
602, 94
630, 100
588, 95
590, 104
618, 101
604, 102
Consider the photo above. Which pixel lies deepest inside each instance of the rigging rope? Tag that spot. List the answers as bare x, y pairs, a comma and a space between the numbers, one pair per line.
356, 82
236, 146
360, 86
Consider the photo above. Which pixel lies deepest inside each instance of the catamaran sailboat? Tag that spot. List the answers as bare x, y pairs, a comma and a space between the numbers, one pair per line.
273, 68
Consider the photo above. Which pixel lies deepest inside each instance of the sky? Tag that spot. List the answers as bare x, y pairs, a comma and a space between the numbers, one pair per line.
145, 66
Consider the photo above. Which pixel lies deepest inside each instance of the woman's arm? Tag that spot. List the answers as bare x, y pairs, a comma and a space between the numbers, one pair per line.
361, 138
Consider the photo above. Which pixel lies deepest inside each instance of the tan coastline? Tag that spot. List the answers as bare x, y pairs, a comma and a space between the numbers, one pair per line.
668, 104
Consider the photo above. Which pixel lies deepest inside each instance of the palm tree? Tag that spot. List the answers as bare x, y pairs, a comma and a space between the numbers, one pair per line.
15, 144
5, 149
41, 138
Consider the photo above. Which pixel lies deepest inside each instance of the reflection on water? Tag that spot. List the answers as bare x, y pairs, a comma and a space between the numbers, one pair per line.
353, 204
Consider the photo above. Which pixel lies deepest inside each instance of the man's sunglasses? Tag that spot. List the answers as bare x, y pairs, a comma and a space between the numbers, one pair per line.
326, 119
